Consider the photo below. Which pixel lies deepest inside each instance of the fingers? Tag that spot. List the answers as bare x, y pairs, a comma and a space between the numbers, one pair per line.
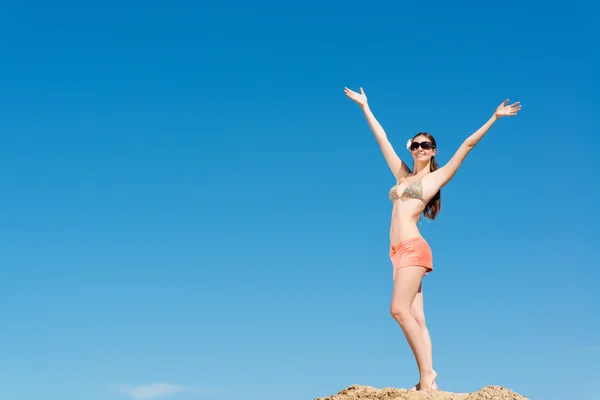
353, 95
352, 91
356, 96
511, 109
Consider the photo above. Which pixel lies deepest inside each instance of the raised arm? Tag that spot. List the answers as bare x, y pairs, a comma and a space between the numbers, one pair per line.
398, 168
443, 175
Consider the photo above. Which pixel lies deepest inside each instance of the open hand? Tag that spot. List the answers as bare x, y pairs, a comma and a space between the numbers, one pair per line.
507, 111
359, 98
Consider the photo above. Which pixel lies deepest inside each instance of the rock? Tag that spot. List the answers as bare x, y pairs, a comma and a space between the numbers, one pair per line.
360, 392
495, 393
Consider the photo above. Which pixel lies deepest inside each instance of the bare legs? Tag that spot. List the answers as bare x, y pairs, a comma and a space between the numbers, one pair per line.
406, 287
418, 311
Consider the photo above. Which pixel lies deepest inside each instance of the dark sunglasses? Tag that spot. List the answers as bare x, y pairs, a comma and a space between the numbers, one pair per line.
424, 145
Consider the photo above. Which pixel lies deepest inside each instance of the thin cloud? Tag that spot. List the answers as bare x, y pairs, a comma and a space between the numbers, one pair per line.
153, 391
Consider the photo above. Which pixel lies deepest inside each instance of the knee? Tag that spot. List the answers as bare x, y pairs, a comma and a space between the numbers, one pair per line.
400, 314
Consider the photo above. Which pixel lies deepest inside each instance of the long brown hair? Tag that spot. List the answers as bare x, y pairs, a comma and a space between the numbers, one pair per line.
433, 206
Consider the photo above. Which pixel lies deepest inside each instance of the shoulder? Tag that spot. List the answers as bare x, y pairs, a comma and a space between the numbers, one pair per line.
434, 181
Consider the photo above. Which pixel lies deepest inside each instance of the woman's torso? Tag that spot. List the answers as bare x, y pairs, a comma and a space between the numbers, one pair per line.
409, 200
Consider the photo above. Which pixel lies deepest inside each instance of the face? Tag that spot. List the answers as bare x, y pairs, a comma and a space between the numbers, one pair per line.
424, 151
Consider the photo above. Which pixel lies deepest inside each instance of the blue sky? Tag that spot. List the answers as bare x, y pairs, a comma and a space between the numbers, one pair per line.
192, 208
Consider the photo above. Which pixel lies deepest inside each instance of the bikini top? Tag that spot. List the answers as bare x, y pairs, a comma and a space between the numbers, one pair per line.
412, 191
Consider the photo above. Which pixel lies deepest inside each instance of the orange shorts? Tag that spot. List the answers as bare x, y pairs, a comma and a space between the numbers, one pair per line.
411, 252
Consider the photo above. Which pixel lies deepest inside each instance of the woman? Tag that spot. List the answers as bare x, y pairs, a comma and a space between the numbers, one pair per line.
415, 193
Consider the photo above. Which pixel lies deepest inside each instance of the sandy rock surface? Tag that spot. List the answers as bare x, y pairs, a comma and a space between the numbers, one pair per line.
360, 392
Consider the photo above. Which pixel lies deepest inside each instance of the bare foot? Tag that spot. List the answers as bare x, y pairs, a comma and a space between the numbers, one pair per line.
427, 382
418, 387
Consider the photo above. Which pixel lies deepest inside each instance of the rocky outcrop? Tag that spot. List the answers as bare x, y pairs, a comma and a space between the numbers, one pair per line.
359, 392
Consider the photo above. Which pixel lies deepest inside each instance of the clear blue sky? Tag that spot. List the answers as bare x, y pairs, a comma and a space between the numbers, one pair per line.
189, 199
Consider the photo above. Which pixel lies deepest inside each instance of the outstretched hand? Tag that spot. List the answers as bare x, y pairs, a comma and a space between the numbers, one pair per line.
507, 111
359, 98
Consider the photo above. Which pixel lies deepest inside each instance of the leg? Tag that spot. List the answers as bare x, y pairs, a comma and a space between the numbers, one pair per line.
406, 286
418, 311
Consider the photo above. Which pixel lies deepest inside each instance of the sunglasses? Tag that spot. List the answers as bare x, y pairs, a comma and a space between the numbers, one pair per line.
424, 145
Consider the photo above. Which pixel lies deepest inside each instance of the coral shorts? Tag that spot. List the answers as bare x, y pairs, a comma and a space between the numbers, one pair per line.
411, 252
